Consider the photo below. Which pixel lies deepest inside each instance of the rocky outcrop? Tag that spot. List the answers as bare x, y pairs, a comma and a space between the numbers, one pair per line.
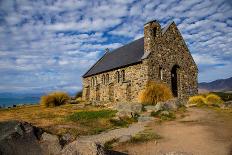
19, 138
128, 109
83, 148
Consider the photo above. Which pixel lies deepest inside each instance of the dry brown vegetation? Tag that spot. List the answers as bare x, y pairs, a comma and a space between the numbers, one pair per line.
206, 99
57, 120
54, 99
155, 92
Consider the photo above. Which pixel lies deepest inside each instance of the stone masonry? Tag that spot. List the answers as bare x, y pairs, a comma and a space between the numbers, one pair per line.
165, 58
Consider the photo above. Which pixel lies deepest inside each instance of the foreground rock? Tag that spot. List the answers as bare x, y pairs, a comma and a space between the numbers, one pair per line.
128, 109
83, 148
19, 138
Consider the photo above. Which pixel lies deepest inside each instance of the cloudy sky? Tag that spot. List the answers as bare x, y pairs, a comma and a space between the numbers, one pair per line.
48, 44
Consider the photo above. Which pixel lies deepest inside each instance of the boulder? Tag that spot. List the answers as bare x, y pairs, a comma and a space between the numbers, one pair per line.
124, 138
128, 109
19, 138
50, 144
145, 118
66, 138
150, 108
83, 148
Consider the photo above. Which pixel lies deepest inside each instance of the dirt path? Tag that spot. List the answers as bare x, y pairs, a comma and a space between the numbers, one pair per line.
201, 132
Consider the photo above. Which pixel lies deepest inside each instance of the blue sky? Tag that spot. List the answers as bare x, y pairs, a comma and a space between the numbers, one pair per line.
48, 45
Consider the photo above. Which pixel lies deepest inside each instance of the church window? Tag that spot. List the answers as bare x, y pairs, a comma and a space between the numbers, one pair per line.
117, 76
107, 78
123, 75
103, 79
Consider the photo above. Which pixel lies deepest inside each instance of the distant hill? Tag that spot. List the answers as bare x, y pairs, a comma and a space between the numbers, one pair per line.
217, 85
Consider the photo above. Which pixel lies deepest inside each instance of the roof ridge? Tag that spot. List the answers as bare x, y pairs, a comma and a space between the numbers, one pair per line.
126, 44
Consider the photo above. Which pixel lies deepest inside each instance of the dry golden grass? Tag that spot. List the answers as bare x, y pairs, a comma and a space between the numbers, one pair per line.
55, 120
213, 99
155, 92
54, 99
198, 100
206, 99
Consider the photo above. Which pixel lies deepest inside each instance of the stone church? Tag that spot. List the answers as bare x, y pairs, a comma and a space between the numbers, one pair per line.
161, 55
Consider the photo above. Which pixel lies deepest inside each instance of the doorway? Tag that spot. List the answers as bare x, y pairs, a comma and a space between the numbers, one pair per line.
174, 80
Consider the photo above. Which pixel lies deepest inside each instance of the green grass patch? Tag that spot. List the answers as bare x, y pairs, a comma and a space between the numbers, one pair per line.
90, 115
146, 135
123, 122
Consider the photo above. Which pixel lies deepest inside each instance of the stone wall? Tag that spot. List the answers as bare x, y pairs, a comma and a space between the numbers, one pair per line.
168, 49
114, 91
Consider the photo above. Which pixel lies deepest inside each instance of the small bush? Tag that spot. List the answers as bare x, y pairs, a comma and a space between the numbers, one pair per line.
213, 99
155, 92
54, 99
198, 100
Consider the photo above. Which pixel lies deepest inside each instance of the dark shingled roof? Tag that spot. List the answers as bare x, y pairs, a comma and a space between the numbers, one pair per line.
122, 56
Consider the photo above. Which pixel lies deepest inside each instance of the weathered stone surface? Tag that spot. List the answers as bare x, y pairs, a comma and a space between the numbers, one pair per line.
124, 138
176, 153
128, 109
145, 118
83, 148
50, 144
228, 104
166, 59
150, 108
19, 138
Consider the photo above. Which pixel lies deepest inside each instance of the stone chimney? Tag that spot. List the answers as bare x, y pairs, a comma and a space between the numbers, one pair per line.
152, 31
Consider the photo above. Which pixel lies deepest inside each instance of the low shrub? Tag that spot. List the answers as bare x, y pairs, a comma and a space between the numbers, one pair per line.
210, 100
155, 92
198, 100
213, 99
54, 99
164, 115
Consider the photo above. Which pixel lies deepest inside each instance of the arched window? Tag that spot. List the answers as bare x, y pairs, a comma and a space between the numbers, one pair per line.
103, 79
107, 78
123, 75
161, 73
92, 81
95, 83
117, 76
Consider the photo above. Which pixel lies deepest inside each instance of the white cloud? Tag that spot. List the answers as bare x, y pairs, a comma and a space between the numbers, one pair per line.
50, 44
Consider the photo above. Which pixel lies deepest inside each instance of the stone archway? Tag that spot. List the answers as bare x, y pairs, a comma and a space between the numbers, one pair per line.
174, 80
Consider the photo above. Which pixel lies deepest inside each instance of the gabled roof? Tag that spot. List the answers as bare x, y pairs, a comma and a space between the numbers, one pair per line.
122, 56
129, 54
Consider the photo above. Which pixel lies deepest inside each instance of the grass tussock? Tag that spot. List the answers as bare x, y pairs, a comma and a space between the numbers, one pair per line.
155, 92
206, 100
54, 99
144, 136
164, 115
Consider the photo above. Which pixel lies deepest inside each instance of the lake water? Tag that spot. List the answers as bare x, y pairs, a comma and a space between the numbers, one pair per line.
10, 101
